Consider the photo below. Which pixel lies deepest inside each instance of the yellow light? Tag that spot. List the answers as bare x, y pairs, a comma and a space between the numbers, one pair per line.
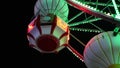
30, 27
62, 24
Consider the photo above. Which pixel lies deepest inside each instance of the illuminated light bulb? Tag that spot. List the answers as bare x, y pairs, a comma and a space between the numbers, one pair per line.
101, 11
83, 4
94, 9
89, 7
108, 14
105, 13
85, 30
97, 10
80, 3
86, 6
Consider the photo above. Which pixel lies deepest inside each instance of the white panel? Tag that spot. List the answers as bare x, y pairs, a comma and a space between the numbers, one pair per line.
49, 4
31, 41
46, 29
35, 32
58, 32
64, 40
60, 48
39, 7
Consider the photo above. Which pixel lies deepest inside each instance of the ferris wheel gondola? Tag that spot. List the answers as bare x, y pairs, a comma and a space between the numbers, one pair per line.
50, 30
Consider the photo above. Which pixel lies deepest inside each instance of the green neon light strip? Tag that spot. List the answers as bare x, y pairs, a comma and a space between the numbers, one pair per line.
78, 23
97, 27
107, 5
115, 7
85, 21
101, 4
75, 17
97, 4
85, 30
101, 12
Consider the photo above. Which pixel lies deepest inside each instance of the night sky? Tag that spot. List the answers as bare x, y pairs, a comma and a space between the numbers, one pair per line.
20, 55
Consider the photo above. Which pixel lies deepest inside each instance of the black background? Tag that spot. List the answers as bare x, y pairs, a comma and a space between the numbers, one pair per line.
17, 54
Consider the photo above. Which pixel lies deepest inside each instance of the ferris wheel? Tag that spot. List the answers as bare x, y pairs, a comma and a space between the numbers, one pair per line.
50, 29
104, 10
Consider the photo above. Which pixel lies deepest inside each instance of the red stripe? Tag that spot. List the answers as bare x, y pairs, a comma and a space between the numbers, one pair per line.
78, 55
30, 35
53, 24
64, 34
31, 45
37, 21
